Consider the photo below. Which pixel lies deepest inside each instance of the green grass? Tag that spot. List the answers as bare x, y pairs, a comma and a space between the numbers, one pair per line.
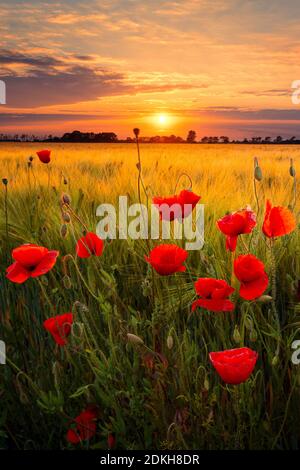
179, 402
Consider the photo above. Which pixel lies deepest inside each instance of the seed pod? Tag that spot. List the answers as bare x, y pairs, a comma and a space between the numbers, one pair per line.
65, 181
136, 131
134, 339
64, 230
236, 335
258, 173
30, 158
5, 181
264, 299
67, 282
66, 199
253, 335
66, 217
170, 342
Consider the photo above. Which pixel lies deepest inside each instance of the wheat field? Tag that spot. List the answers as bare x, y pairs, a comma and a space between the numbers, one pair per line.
172, 398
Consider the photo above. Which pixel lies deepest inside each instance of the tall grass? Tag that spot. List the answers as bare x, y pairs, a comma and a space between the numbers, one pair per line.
162, 393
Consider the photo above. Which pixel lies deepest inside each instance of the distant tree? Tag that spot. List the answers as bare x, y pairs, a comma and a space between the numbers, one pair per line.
224, 139
267, 140
278, 139
204, 139
191, 137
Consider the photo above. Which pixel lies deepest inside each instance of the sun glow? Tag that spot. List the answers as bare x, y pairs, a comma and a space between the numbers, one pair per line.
162, 119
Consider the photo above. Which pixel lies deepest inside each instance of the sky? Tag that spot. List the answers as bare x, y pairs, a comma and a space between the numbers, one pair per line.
218, 67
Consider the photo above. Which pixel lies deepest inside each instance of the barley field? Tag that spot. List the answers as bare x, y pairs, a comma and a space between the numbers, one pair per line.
136, 352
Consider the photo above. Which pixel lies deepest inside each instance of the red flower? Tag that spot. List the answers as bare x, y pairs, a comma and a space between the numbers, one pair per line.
167, 259
278, 221
30, 261
234, 366
250, 271
111, 440
85, 426
59, 327
235, 224
214, 295
183, 204
89, 245
44, 155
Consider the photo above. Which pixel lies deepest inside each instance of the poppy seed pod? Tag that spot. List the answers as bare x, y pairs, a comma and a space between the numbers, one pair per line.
30, 158
63, 231
134, 339
66, 217
136, 131
5, 181
66, 199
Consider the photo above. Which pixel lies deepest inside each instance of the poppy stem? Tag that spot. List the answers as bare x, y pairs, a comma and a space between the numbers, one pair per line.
179, 178
274, 292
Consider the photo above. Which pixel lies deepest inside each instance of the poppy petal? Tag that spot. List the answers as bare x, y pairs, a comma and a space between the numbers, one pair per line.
17, 273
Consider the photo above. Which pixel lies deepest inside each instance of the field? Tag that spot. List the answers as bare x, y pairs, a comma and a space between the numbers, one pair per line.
161, 392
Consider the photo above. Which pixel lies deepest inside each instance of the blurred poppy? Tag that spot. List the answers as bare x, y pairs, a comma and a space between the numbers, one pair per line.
278, 221
59, 327
214, 295
234, 366
111, 440
44, 155
177, 206
89, 245
250, 271
30, 261
85, 427
167, 259
235, 224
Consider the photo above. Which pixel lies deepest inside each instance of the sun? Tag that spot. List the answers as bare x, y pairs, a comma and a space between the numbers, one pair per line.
162, 119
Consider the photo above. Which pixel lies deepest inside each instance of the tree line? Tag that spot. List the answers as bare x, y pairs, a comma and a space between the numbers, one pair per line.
111, 137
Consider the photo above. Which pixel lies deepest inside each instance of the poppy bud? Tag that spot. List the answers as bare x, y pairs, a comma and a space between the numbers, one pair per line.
292, 169
170, 342
63, 231
67, 282
138, 166
66, 217
264, 299
5, 181
206, 384
111, 440
248, 323
66, 199
136, 131
134, 339
275, 361
30, 158
65, 181
236, 335
258, 173
253, 335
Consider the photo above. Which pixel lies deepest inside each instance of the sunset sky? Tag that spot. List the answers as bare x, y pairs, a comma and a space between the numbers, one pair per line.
219, 67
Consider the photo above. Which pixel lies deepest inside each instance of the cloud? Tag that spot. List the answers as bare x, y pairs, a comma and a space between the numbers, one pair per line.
13, 57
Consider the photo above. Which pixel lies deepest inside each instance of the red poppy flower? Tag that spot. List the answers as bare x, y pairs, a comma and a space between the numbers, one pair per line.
85, 427
167, 259
235, 224
234, 366
250, 271
214, 295
30, 261
278, 221
177, 206
59, 327
89, 245
44, 155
